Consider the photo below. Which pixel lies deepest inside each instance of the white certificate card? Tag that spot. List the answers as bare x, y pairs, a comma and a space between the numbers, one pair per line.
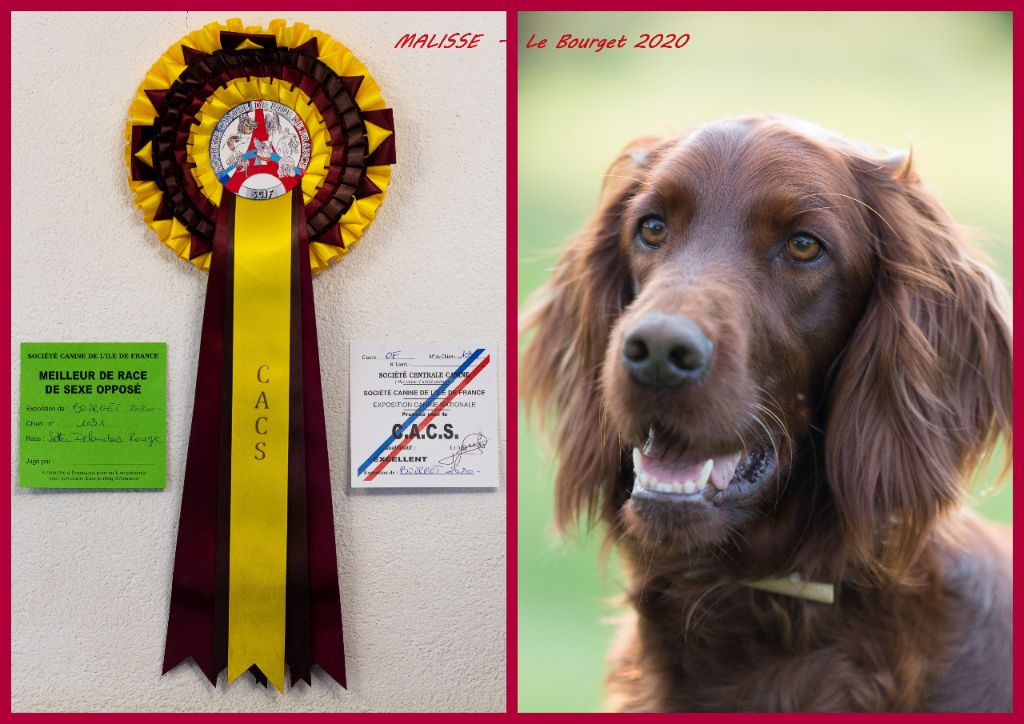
424, 415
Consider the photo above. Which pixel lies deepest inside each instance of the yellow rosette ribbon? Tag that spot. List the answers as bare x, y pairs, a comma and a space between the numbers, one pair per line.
261, 156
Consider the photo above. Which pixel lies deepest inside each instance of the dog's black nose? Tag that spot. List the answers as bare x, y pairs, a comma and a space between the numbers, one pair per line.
664, 350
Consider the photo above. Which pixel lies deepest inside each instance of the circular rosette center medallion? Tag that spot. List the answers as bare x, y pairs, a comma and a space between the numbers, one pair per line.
260, 149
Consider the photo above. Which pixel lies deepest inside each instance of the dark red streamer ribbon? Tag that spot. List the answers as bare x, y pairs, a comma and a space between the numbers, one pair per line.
297, 639
192, 627
324, 596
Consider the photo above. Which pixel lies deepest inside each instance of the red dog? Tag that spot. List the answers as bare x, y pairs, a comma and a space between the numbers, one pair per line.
771, 360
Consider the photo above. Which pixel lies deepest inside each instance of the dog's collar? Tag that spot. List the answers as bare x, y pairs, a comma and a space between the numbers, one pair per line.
796, 587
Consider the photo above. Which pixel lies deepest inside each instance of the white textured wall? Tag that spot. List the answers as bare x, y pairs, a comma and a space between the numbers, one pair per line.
422, 573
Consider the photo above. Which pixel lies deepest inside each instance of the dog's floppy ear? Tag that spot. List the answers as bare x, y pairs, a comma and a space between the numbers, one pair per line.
925, 384
571, 318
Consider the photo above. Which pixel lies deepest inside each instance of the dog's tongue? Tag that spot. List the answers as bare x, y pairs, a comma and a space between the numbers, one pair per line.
671, 468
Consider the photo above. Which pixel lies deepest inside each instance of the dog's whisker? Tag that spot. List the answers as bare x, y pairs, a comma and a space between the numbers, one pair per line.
789, 447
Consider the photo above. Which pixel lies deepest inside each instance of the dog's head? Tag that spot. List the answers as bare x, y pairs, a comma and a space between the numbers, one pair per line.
766, 326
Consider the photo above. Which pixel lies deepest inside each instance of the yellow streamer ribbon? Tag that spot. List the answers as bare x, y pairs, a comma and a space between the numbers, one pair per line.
259, 444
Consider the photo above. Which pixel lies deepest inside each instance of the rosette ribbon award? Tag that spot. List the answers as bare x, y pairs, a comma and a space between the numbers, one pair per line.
261, 156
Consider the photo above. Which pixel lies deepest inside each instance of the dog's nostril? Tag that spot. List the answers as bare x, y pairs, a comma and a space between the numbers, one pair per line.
635, 350
687, 358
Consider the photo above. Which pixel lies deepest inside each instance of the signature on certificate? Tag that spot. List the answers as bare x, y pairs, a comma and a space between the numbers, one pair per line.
473, 444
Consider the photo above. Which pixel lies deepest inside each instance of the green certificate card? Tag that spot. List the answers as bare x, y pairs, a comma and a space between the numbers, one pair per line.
93, 415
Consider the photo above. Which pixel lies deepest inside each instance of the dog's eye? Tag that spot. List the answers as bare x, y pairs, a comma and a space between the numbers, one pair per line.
652, 231
803, 247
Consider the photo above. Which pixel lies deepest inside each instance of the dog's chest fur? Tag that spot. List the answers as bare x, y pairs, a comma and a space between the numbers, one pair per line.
731, 648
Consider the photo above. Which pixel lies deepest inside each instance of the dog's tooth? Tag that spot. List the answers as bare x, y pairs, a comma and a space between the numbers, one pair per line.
705, 473
636, 459
689, 486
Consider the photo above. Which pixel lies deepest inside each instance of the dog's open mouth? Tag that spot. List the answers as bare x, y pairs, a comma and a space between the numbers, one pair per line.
690, 476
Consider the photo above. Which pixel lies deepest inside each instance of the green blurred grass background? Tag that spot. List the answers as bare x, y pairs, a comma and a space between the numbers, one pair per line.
940, 82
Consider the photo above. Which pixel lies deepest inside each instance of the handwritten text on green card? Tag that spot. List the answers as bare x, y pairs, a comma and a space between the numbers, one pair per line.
93, 415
